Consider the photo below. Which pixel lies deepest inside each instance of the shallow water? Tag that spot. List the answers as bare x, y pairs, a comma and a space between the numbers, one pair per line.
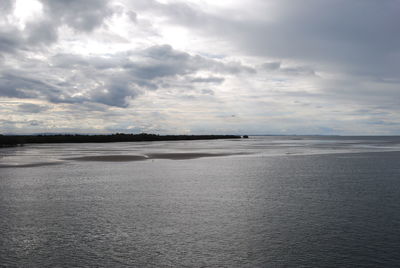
261, 202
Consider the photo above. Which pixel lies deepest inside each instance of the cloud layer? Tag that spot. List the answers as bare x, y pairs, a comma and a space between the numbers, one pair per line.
274, 67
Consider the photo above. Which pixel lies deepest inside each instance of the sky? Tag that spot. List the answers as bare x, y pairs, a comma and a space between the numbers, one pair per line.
200, 66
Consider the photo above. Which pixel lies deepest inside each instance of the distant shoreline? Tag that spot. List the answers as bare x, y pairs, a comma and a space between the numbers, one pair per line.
16, 140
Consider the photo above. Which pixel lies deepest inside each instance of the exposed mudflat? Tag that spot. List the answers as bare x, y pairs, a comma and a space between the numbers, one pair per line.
29, 165
109, 158
127, 158
183, 156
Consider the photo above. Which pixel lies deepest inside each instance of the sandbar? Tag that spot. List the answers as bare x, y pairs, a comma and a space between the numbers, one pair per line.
127, 158
29, 165
183, 156
110, 158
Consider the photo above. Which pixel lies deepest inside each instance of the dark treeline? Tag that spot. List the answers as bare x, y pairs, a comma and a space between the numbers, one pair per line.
14, 140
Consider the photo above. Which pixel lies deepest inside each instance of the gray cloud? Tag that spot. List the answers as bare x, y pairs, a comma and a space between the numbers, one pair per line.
294, 70
31, 108
207, 92
80, 15
116, 93
146, 71
164, 61
153, 62
133, 16
20, 86
299, 70
83, 16
41, 32
271, 66
348, 36
10, 40
210, 79
353, 44
114, 79
6, 6
335, 58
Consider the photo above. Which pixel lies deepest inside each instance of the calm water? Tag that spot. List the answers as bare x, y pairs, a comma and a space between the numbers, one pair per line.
274, 202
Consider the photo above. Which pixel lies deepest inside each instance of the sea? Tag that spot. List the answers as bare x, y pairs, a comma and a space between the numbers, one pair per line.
266, 201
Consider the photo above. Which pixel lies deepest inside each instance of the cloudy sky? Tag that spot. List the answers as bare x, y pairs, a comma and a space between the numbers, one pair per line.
200, 66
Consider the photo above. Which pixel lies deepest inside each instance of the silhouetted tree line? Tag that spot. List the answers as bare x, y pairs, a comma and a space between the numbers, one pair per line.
14, 140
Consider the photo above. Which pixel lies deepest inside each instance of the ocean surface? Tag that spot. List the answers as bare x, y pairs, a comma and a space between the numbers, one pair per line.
274, 201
